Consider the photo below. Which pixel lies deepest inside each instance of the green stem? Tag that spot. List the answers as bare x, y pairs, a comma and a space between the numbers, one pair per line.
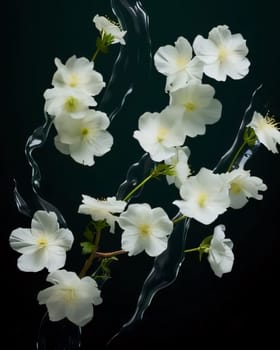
142, 183
95, 54
192, 250
180, 218
89, 261
237, 154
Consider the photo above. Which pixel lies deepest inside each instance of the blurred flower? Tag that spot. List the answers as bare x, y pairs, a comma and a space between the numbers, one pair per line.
108, 27
70, 297
196, 103
267, 131
66, 100
44, 245
243, 186
83, 138
177, 64
204, 195
220, 252
223, 54
145, 229
100, 209
159, 133
180, 167
78, 73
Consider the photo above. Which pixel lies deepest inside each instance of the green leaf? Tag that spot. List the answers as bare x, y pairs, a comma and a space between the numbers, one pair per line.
101, 279
103, 42
87, 247
99, 225
204, 246
105, 263
104, 272
163, 169
249, 136
88, 234
206, 241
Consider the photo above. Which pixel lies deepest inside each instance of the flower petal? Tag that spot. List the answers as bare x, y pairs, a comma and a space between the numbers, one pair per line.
205, 50
22, 241
64, 238
63, 277
33, 262
44, 221
56, 258
56, 310
132, 243
61, 147
90, 291
80, 314
154, 246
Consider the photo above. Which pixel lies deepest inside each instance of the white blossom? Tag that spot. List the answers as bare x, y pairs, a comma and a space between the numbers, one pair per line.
243, 186
267, 131
83, 138
71, 297
43, 245
199, 108
108, 27
159, 133
177, 64
204, 196
220, 255
67, 100
102, 209
78, 73
180, 166
145, 229
223, 54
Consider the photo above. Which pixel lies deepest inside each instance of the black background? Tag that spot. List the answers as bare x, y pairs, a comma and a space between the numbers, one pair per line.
199, 308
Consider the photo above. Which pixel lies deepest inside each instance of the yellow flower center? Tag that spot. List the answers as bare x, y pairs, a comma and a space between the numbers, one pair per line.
42, 242
73, 80
84, 132
190, 106
69, 294
117, 24
202, 199
71, 104
181, 62
235, 187
269, 122
144, 229
223, 54
162, 133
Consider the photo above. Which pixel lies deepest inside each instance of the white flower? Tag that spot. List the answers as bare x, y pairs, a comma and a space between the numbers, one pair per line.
177, 64
220, 252
70, 297
223, 54
243, 186
109, 28
198, 106
180, 166
44, 245
159, 133
204, 195
66, 100
83, 138
102, 209
78, 73
145, 229
267, 131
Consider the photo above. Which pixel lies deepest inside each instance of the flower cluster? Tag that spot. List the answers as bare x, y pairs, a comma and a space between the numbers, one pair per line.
81, 130
202, 196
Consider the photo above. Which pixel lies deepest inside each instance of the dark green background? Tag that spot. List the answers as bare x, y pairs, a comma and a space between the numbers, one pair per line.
199, 308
